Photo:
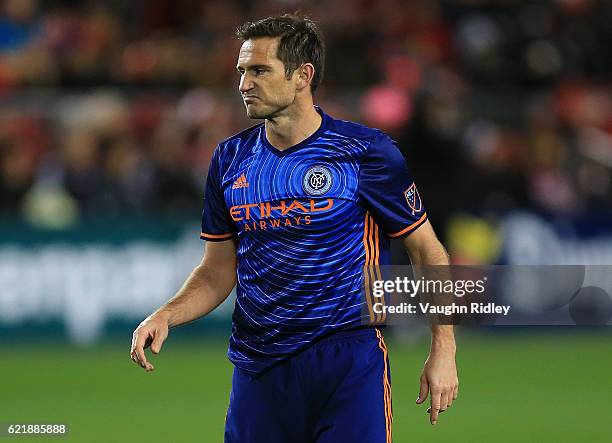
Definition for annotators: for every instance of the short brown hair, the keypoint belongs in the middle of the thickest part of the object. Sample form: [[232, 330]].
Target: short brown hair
[[300, 42]]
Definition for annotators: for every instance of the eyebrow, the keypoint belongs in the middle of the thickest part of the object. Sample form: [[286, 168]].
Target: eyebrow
[[253, 67]]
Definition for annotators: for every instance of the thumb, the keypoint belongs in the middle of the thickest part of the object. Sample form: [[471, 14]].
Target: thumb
[[158, 341], [423, 391]]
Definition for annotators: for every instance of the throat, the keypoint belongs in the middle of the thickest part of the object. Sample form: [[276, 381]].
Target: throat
[[285, 133]]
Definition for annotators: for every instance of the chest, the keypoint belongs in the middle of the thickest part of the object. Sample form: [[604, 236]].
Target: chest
[[305, 190]]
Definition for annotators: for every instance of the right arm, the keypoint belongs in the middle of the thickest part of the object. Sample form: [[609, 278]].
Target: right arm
[[208, 285]]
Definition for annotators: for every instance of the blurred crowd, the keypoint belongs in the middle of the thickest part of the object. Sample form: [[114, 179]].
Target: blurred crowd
[[114, 108]]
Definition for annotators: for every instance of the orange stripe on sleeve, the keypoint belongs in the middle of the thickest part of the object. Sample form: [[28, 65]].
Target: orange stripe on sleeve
[[412, 226], [216, 236]]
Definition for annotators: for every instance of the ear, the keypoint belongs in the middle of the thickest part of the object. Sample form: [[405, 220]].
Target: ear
[[305, 73]]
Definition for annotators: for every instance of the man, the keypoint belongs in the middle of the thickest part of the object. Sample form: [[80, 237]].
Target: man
[[296, 209]]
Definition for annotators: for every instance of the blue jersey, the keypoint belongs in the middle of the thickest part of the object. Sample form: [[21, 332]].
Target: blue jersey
[[308, 220]]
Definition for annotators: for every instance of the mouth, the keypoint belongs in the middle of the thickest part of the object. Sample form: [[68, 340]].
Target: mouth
[[249, 99]]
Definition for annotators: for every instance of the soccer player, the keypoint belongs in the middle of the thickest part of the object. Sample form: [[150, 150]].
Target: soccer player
[[295, 210]]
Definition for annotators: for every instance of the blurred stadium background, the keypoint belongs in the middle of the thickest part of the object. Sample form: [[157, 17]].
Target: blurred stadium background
[[110, 111]]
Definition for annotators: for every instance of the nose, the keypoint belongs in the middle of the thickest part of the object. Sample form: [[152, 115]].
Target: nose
[[245, 83]]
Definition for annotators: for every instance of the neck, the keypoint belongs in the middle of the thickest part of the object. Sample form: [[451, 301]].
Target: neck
[[293, 127]]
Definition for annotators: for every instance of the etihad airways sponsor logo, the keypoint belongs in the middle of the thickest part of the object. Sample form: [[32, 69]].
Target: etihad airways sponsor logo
[[274, 223], [280, 208], [283, 213]]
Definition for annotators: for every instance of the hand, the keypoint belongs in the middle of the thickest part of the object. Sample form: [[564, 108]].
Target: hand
[[439, 378], [151, 332]]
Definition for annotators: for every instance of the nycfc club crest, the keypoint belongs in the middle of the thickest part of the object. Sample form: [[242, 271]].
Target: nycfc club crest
[[413, 198], [317, 180]]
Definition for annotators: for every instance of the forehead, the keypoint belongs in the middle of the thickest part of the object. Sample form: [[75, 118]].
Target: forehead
[[258, 51]]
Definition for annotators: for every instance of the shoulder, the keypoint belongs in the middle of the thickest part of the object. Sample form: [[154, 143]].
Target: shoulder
[[355, 130], [374, 141], [377, 147], [238, 140], [233, 147]]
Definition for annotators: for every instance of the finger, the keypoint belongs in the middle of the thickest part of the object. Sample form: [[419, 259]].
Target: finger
[[444, 401], [456, 392], [137, 361], [133, 345], [158, 340], [435, 406], [139, 351], [133, 350], [449, 399], [423, 391]]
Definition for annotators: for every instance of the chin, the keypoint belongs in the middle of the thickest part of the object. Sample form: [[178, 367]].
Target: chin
[[256, 114], [253, 114], [261, 110]]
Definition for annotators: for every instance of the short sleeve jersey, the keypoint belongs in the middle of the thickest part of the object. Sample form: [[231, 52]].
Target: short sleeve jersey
[[307, 220]]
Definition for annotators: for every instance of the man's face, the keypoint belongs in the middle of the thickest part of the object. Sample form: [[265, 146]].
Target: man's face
[[264, 87]]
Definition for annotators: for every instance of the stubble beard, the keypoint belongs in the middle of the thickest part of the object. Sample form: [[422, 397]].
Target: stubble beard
[[269, 113]]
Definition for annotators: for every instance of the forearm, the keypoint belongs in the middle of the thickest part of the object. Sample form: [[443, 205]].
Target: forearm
[[202, 292], [432, 253], [443, 339], [442, 336]]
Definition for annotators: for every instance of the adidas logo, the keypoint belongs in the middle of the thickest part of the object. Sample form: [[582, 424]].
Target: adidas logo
[[241, 182]]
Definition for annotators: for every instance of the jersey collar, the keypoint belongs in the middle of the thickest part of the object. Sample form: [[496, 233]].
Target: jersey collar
[[324, 123]]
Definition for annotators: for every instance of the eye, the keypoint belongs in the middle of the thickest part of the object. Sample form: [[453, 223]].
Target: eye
[[259, 71]]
